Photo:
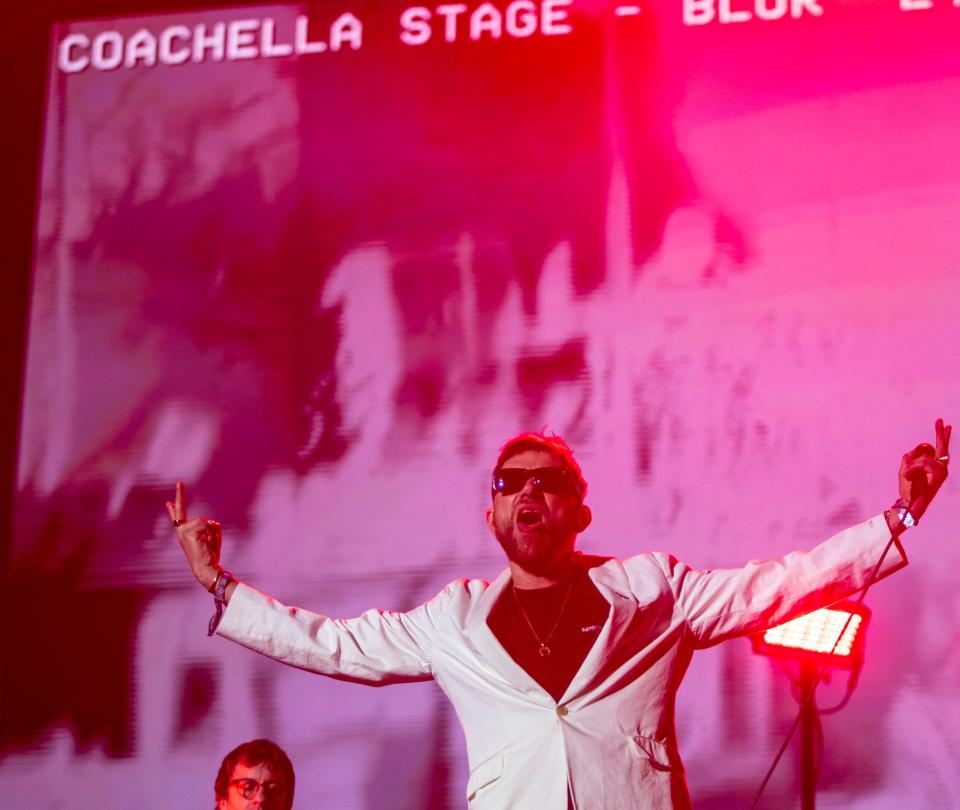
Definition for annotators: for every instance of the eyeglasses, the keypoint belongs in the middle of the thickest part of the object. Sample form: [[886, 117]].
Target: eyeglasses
[[554, 480], [248, 788]]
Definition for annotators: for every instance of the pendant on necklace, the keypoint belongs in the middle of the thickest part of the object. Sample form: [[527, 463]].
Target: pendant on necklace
[[544, 651]]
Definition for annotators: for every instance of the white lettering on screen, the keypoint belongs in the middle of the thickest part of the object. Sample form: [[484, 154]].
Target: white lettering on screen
[[253, 38], [67, 60], [242, 39], [455, 21], [236, 40], [107, 50], [168, 53], [704, 12]]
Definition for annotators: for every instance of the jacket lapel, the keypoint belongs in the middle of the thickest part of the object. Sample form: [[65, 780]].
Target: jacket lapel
[[611, 581], [486, 645]]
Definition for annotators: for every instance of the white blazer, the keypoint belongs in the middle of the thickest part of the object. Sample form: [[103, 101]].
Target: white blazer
[[610, 741]]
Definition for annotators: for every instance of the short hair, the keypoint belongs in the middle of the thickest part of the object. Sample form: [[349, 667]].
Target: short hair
[[550, 442], [255, 752]]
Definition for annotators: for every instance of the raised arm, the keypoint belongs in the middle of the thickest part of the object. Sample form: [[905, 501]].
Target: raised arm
[[723, 603], [200, 540], [923, 471], [377, 647]]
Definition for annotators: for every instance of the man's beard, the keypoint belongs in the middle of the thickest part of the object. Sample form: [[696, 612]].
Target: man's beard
[[540, 553]]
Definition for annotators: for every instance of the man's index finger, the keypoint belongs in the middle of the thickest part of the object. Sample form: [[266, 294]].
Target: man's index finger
[[180, 506], [943, 438]]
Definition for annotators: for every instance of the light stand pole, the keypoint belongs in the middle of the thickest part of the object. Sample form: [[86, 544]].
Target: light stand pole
[[808, 730], [829, 637]]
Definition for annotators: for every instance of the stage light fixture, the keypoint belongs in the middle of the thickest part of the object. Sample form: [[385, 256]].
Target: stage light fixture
[[826, 638], [815, 635]]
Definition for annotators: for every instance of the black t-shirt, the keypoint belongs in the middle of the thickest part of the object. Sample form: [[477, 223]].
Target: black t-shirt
[[577, 627]]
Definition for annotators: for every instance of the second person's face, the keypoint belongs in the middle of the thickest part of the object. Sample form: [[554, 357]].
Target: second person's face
[[270, 792]]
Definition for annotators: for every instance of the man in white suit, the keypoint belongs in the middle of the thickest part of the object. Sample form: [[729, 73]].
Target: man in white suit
[[564, 670]]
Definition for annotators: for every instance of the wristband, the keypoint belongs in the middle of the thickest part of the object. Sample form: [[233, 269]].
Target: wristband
[[223, 579]]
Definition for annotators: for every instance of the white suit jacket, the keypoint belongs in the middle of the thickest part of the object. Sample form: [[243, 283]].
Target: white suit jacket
[[610, 740]]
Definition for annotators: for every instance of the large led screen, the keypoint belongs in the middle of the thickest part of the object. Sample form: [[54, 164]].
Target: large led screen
[[319, 261]]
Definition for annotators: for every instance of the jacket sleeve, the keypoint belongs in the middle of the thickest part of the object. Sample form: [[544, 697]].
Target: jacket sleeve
[[376, 648], [724, 603]]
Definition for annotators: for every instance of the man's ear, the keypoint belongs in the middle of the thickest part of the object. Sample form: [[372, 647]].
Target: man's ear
[[490, 523], [584, 518]]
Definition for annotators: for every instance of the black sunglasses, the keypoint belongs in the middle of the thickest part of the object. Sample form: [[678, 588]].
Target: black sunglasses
[[555, 480]]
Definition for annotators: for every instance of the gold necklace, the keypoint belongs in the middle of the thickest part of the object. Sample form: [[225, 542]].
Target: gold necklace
[[543, 650]]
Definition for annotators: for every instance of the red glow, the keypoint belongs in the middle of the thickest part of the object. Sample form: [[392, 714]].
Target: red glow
[[817, 633]]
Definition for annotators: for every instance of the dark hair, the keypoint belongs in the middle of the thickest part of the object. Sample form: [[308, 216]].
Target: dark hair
[[255, 752], [552, 443]]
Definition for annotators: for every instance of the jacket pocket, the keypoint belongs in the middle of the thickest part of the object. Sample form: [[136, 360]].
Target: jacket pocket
[[484, 775], [663, 757]]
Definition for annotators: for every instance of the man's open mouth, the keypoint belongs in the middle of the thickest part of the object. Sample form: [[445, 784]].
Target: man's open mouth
[[529, 518]]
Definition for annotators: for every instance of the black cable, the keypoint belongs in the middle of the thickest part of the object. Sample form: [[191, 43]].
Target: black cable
[[816, 681], [852, 681]]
